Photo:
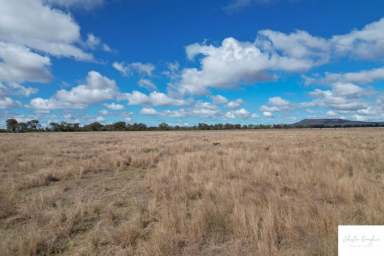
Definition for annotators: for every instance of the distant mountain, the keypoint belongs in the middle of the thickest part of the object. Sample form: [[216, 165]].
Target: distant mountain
[[334, 123]]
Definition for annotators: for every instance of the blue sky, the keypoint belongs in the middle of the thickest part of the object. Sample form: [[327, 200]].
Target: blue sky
[[185, 62]]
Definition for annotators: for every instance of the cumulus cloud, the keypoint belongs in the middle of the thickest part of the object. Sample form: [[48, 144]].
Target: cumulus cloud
[[341, 97], [32, 24], [219, 99], [96, 88], [275, 104], [148, 111], [299, 45], [205, 109], [41, 104], [114, 106], [239, 113], [366, 43], [19, 64], [267, 114], [235, 103], [200, 109], [176, 113], [13, 88], [356, 108], [7, 102], [154, 98], [234, 63], [226, 66], [359, 77], [173, 70], [347, 90], [144, 69]]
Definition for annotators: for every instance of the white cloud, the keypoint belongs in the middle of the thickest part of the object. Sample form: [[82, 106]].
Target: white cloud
[[239, 113], [144, 69], [278, 101], [234, 63], [68, 117], [97, 88], [199, 109], [147, 84], [148, 111], [119, 66], [226, 66], [31, 24], [275, 104], [43, 104], [341, 97], [93, 42], [359, 77], [173, 70], [154, 98], [235, 103], [347, 90], [267, 114], [84, 4], [205, 109], [366, 43], [219, 99], [331, 113], [299, 45], [19, 64], [176, 113], [13, 88], [137, 98], [114, 106], [6, 102]]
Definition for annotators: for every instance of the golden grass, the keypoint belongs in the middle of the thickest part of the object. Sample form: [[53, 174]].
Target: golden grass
[[273, 192]]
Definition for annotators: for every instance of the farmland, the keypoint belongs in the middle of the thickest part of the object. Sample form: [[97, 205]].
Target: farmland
[[263, 192]]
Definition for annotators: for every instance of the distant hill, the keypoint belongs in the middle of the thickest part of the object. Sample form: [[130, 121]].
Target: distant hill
[[334, 123]]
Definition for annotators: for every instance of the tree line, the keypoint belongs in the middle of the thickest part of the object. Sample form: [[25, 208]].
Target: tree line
[[12, 125]]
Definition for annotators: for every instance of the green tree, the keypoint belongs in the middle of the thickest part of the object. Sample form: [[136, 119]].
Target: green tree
[[96, 126], [119, 126], [164, 126], [12, 125], [22, 127], [33, 124]]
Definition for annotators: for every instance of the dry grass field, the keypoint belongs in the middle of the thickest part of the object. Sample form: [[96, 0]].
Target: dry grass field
[[271, 192]]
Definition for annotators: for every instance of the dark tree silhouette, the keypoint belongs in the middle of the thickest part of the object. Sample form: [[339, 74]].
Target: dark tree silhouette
[[12, 125]]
